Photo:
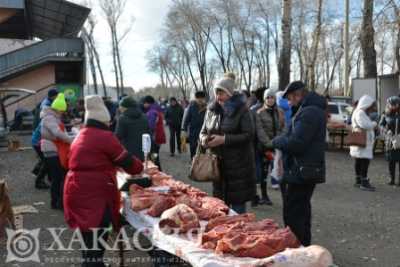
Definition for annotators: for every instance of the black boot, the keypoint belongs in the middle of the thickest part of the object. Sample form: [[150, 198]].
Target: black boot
[[358, 182], [40, 184], [255, 201], [391, 181], [366, 186], [265, 199]]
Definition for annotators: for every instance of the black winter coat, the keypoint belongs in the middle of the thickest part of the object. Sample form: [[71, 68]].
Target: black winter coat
[[194, 121], [131, 125], [305, 138], [174, 116], [237, 154]]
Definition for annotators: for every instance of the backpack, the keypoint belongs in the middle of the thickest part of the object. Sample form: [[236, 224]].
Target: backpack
[[159, 136]]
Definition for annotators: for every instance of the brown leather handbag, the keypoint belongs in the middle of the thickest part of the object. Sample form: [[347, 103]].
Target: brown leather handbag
[[357, 137], [205, 165]]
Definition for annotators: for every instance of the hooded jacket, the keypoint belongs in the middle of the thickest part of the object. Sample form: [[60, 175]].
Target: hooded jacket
[[304, 140], [131, 125], [361, 120], [51, 131]]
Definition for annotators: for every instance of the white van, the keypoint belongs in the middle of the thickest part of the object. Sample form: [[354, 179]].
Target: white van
[[339, 112]]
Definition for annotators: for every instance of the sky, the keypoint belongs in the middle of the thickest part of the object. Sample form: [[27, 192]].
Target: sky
[[149, 17]]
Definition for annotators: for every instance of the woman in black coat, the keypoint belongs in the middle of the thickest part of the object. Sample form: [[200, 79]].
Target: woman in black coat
[[131, 125], [228, 131]]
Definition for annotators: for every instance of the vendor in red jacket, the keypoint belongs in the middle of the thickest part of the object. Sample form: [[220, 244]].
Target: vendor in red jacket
[[91, 196]]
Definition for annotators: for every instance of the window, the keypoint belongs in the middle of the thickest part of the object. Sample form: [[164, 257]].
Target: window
[[344, 109], [333, 109]]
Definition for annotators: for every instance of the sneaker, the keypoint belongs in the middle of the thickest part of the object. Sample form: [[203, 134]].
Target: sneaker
[[265, 201], [275, 186], [366, 186]]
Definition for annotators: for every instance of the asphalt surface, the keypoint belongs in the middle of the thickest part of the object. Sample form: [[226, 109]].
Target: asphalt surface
[[359, 228]]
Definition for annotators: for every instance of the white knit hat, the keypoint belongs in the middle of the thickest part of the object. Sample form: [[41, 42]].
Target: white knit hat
[[226, 83], [269, 92], [95, 109]]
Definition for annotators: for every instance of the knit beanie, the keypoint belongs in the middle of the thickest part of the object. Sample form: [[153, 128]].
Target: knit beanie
[[59, 103], [95, 109], [269, 92], [128, 102], [226, 83]]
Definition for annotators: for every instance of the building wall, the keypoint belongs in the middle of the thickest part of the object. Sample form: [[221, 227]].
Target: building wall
[[39, 80]]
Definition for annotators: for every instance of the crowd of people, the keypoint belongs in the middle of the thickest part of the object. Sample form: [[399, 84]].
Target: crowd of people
[[256, 136]]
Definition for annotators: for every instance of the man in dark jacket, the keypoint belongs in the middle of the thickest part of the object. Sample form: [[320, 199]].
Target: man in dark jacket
[[303, 147], [131, 125], [194, 120], [173, 117]]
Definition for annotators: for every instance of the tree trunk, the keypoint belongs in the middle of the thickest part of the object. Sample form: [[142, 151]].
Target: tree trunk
[[314, 53], [285, 55], [367, 40], [114, 56]]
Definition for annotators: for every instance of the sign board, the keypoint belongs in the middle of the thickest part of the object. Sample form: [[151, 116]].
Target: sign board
[[72, 92]]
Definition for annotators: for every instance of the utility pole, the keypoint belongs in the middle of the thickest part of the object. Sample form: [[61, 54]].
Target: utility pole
[[346, 49]]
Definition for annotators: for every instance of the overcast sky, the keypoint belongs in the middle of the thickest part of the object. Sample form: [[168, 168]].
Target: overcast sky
[[149, 16]]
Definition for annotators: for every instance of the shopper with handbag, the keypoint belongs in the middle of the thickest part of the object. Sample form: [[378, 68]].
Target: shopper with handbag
[[390, 125], [363, 154], [229, 132], [303, 155]]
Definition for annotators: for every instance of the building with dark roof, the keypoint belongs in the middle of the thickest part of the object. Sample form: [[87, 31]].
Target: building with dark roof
[[40, 49]]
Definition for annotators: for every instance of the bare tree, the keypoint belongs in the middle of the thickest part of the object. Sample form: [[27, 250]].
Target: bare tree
[[113, 11], [285, 54], [367, 40]]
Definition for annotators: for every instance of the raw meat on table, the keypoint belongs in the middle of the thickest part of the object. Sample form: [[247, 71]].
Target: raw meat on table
[[161, 204], [181, 217], [246, 217]]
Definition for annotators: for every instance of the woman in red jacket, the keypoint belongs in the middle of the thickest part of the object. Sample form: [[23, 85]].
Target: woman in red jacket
[[91, 196]]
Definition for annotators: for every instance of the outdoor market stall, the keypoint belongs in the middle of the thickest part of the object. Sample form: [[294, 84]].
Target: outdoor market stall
[[192, 247]]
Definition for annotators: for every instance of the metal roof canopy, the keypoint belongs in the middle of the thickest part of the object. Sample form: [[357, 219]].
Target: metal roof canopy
[[55, 18]]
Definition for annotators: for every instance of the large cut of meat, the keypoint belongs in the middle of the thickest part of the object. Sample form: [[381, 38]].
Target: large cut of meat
[[142, 198], [180, 218], [211, 208], [246, 217], [161, 204], [256, 244], [210, 239]]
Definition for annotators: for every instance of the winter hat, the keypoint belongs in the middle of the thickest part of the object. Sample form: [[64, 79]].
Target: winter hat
[[292, 87], [365, 102], [59, 103], [149, 99], [269, 92], [128, 102], [226, 83], [96, 109], [52, 93]]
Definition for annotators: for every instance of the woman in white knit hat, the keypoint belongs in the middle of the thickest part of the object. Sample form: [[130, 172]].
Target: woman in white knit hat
[[91, 196], [228, 131], [269, 124]]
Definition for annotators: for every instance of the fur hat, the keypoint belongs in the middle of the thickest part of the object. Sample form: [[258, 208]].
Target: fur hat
[[95, 109], [227, 83]]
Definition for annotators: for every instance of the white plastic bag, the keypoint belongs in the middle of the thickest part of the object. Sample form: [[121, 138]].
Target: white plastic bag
[[277, 170]]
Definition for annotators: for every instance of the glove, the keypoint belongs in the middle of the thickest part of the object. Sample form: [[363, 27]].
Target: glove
[[269, 156]]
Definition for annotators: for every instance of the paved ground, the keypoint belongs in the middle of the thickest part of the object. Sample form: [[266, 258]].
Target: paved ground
[[359, 228]]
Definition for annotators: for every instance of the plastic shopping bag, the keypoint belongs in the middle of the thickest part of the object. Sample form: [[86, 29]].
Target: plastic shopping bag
[[277, 170]]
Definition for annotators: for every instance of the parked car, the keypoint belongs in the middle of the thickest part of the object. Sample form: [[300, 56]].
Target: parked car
[[339, 112]]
